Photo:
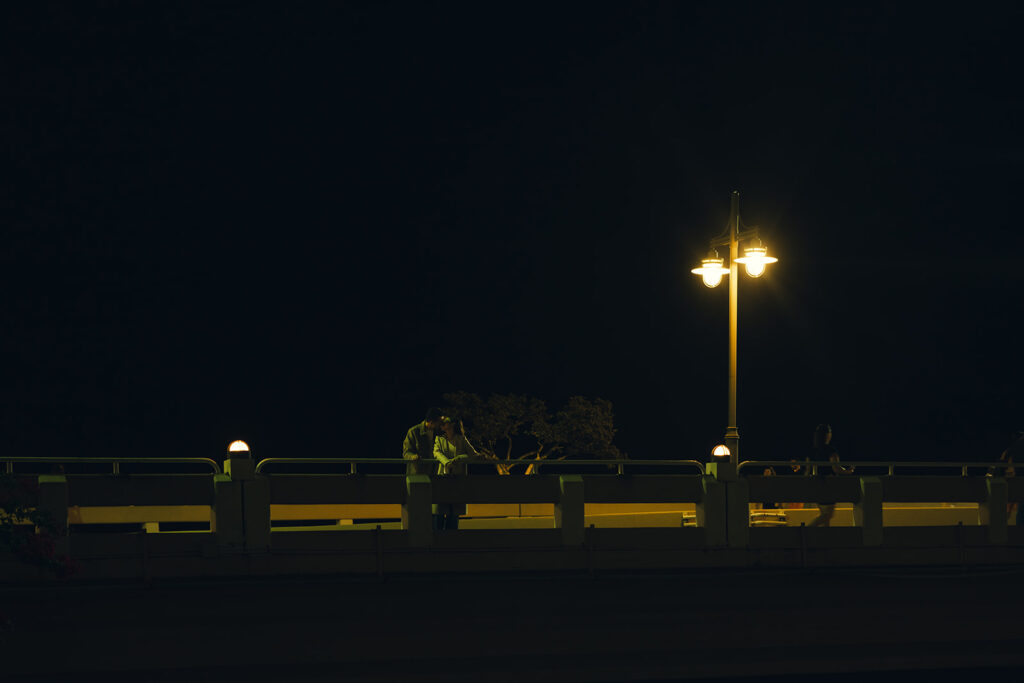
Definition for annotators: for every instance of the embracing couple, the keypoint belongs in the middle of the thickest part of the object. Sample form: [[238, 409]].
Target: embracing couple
[[442, 438]]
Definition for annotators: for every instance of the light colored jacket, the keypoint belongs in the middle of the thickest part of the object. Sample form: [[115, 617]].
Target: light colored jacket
[[417, 447], [446, 451]]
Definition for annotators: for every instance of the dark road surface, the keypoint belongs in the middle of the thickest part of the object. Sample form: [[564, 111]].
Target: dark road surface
[[923, 624]]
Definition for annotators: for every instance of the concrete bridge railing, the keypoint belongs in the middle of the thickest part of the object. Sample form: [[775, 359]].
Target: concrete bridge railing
[[240, 496]]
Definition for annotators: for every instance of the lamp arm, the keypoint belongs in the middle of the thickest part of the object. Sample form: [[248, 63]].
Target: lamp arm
[[748, 234]]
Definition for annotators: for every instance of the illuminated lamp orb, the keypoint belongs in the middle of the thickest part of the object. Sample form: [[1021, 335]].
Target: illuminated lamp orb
[[711, 270], [720, 452], [238, 446], [755, 259]]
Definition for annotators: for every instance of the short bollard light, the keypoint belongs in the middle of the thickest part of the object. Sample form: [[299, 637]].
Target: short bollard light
[[239, 463], [721, 467], [240, 447]]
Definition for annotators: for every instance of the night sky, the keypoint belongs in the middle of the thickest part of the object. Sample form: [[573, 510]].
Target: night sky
[[300, 225]]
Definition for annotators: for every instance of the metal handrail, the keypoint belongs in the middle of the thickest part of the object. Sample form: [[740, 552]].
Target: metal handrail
[[891, 465], [116, 462], [354, 462]]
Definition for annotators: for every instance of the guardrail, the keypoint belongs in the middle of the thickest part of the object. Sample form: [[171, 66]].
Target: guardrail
[[620, 465], [888, 464], [240, 497], [114, 462]]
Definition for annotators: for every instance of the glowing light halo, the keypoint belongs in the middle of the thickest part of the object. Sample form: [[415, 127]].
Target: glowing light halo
[[238, 446], [721, 451], [755, 259], [711, 270]]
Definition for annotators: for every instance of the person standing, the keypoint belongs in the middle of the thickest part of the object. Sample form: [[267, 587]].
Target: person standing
[[1013, 453], [418, 447], [827, 458], [452, 449]]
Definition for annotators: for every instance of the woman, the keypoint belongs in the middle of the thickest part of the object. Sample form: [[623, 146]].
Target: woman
[[452, 449], [823, 453]]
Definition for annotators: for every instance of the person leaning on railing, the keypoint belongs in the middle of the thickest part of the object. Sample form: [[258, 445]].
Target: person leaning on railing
[[452, 449], [825, 452], [418, 446]]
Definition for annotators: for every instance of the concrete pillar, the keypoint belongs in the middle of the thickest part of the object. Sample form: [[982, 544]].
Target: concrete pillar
[[569, 510], [256, 513], [416, 518], [53, 499], [867, 512], [992, 512], [226, 514], [711, 511], [737, 513], [254, 500]]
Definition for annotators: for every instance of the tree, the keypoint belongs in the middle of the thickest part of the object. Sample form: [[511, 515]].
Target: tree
[[518, 427]]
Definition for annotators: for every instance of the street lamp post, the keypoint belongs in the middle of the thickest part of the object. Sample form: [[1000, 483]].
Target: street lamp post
[[712, 270]]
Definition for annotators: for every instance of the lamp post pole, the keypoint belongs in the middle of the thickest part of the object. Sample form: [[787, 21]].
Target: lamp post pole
[[755, 259], [732, 434]]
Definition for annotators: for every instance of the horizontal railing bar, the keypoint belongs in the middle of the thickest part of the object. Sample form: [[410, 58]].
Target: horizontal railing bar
[[891, 464], [483, 461], [110, 460]]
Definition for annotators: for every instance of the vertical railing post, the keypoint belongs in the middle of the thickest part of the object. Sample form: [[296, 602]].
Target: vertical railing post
[[416, 510], [867, 512], [570, 509], [254, 500], [712, 512], [53, 499], [226, 513], [737, 512], [992, 512]]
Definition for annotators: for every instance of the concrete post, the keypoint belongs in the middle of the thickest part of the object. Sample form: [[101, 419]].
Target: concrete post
[[416, 519], [992, 512], [254, 500], [711, 511], [737, 514], [53, 499], [256, 513], [226, 514], [569, 510], [867, 512]]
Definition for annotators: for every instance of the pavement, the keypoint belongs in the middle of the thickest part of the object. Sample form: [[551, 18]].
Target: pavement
[[679, 625]]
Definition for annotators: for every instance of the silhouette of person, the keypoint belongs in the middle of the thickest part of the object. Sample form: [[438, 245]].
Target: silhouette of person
[[452, 449], [1013, 452], [418, 447], [824, 452]]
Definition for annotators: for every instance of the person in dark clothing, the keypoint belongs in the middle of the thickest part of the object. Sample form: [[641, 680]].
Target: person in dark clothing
[[418, 447], [825, 452], [1013, 453]]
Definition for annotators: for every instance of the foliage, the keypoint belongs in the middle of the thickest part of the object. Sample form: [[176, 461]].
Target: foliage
[[518, 427], [27, 532]]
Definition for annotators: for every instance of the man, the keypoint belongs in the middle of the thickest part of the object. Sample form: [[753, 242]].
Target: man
[[419, 443]]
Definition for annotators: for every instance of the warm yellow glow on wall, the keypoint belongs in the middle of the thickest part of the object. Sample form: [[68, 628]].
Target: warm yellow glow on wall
[[711, 270], [755, 259], [238, 447]]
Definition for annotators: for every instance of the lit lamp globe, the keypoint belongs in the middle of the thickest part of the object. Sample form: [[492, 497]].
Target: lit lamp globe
[[720, 452], [755, 259], [711, 271], [238, 449]]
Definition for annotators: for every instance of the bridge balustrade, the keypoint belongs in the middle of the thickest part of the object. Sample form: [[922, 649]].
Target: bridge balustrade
[[240, 497]]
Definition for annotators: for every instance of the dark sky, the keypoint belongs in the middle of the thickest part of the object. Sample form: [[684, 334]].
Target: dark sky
[[300, 225]]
